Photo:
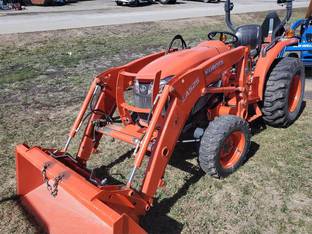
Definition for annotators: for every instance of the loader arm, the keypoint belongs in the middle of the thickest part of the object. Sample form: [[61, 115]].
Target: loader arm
[[183, 93]]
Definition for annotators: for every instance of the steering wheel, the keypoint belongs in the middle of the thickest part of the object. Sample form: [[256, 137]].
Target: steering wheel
[[223, 36]]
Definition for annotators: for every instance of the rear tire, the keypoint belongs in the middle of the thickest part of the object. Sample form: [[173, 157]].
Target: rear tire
[[224, 146], [284, 91]]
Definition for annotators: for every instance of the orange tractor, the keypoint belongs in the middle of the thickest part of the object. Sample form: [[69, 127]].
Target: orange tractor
[[210, 93]]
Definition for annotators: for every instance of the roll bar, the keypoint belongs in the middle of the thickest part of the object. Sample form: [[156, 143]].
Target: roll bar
[[286, 18], [229, 5]]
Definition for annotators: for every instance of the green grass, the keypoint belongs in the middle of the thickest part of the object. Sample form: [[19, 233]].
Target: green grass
[[44, 79], [19, 61]]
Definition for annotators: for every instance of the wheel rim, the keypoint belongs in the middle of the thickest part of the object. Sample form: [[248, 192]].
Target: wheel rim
[[294, 93], [232, 149]]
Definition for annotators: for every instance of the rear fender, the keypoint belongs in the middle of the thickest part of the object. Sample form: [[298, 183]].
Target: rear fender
[[264, 66]]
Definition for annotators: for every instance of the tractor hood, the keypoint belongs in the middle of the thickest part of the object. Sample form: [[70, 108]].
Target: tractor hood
[[176, 63]]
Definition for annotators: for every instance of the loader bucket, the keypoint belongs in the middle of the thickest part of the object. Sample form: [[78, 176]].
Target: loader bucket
[[76, 208]]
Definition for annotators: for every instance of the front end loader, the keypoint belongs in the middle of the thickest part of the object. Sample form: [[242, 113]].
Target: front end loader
[[208, 94]]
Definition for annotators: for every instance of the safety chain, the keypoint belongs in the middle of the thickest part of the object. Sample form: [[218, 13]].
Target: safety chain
[[57, 180], [53, 189], [45, 178]]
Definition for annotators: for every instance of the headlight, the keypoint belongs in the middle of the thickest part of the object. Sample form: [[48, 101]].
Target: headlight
[[147, 88], [162, 84], [143, 88], [164, 81]]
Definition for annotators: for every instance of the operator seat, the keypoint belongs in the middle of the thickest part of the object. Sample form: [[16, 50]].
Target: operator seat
[[250, 35], [270, 23]]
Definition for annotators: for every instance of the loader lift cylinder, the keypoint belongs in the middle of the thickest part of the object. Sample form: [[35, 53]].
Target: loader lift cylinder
[[77, 124]]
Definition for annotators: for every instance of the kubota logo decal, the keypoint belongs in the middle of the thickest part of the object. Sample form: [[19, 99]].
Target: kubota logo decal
[[190, 89], [213, 67]]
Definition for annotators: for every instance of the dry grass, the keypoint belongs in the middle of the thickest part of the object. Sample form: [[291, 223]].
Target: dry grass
[[44, 77]]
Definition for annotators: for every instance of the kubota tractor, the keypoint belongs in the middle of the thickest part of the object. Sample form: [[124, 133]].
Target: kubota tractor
[[210, 92]]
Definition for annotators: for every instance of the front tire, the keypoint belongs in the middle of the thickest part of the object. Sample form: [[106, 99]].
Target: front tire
[[284, 91], [224, 146]]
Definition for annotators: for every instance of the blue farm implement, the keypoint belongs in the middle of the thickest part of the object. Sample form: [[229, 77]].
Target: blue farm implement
[[302, 29]]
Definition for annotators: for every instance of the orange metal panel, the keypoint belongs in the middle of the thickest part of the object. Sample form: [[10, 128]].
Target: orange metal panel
[[264, 64], [63, 214], [77, 202]]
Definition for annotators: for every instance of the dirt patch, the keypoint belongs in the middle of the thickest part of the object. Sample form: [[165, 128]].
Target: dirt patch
[[308, 86], [45, 77], [308, 95]]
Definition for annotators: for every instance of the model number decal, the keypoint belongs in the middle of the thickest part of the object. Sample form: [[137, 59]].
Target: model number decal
[[190, 89], [213, 67]]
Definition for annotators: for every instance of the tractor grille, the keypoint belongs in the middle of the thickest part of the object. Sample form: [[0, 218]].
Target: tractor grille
[[142, 96], [142, 101]]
